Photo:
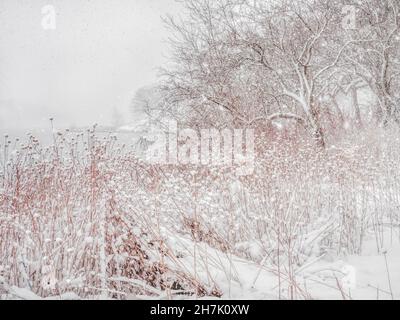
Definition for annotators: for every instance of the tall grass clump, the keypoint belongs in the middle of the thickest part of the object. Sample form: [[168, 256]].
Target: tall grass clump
[[87, 216]]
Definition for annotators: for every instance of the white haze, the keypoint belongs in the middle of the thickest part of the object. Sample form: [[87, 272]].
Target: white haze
[[100, 53]]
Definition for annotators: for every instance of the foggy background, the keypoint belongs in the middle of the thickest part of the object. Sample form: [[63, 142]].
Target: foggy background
[[87, 69]]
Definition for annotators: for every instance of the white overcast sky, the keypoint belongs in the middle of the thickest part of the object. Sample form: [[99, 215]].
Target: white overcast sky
[[99, 54]]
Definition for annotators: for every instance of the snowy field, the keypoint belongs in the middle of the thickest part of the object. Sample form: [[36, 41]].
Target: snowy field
[[85, 219], [200, 149]]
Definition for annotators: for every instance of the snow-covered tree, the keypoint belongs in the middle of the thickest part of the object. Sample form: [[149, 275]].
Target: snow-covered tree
[[376, 61], [244, 62]]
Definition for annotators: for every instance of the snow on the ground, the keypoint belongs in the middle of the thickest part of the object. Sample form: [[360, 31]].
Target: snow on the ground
[[366, 276], [359, 277]]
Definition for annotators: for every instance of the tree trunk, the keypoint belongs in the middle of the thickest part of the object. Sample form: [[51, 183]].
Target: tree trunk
[[338, 111], [320, 137], [318, 132], [356, 106]]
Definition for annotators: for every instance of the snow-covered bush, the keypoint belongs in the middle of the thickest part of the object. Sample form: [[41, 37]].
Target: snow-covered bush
[[85, 216]]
